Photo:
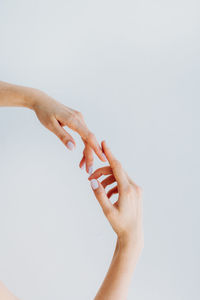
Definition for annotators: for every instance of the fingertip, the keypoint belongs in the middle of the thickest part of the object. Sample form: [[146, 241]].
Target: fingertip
[[82, 163], [105, 158], [90, 170], [94, 184], [107, 152], [103, 144], [70, 145], [104, 147]]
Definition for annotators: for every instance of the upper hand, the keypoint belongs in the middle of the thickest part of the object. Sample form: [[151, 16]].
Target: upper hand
[[54, 116]]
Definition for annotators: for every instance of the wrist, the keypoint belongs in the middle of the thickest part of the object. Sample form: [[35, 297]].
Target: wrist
[[20, 96], [128, 242], [35, 98], [128, 250], [31, 97]]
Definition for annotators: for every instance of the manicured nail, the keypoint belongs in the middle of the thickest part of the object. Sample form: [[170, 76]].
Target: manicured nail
[[70, 145], [90, 170], [94, 184], [82, 167], [104, 156]]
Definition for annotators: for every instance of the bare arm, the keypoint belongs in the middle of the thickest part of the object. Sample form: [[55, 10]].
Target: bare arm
[[13, 95], [117, 281], [5, 294], [54, 116], [125, 216]]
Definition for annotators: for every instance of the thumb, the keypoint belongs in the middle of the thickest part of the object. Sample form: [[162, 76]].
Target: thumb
[[101, 196], [63, 135]]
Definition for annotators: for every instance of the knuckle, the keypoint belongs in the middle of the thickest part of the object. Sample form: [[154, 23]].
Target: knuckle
[[128, 189], [90, 160], [49, 124], [71, 117], [74, 119], [60, 136], [89, 156], [116, 163], [64, 139], [78, 114], [108, 211]]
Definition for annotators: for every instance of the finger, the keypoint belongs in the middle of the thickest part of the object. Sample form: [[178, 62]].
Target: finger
[[101, 196], [88, 153], [101, 171], [136, 187], [118, 171], [107, 181], [91, 141], [112, 192], [63, 135], [78, 124], [82, 162]]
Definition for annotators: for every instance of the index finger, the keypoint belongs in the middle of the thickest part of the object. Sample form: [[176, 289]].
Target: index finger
[[78, 125], [118, 171]]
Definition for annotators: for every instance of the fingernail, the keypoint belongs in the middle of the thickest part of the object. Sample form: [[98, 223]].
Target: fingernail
[[90, 170], [94, 184], [82, 167], [70, 145], [104, 156]]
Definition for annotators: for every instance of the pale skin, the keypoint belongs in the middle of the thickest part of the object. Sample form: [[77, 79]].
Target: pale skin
[[54, 116], [5, 294], [125, 215]]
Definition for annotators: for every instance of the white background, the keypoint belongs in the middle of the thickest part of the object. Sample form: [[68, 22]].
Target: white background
[[132, 69]]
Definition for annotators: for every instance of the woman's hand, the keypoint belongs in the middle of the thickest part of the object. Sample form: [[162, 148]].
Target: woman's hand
[[125, 215], [54, 116]]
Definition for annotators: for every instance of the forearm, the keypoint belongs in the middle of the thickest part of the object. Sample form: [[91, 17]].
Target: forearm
[[5, 294], [117, 280], [14, 95]]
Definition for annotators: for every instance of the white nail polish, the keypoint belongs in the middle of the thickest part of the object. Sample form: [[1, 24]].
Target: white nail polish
[[94, 184], [104, 156], [70, 145], [90, 170], [82, 167]]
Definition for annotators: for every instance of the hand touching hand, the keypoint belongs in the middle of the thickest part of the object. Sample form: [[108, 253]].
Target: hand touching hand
[[125, 215], [54, 116]]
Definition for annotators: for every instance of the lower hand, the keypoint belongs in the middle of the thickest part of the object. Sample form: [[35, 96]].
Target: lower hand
[[125, 215]]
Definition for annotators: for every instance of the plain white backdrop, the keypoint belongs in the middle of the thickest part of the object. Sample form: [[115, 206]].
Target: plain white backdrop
[[132, 68]]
